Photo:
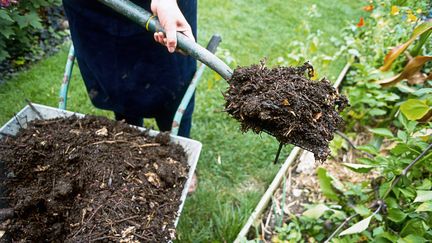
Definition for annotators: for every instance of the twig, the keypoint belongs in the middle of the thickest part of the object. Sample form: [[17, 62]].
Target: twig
[[34, 109], [109, 142], [405, 171], [351, 144], [346, 138], [128, 218], [340, 227], [147, 145], [88, 220], [380, 205], [268, 219], [283, 201]]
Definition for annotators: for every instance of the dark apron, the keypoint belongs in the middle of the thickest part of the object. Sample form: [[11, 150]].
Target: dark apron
[[124, 69]]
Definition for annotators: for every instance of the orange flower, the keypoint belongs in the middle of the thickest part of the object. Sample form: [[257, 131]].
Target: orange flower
[[361, 22], [368, 8]]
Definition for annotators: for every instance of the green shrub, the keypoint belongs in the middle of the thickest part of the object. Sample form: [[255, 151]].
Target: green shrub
[[22, 23]]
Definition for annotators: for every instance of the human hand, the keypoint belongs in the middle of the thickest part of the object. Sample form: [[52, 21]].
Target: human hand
[[172, 20]]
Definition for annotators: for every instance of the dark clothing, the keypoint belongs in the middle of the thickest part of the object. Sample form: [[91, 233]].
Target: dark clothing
[[124, 69]]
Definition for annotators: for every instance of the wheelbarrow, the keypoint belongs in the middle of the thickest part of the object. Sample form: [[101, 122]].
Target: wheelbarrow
[[151, 23]]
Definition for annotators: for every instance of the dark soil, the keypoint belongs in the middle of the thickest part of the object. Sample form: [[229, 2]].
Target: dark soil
[[285, 103], [91, 179]]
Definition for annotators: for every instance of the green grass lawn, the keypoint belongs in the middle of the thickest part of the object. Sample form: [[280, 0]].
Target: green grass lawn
[[234, 168]]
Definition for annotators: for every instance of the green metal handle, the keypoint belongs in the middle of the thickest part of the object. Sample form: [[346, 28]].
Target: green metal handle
[[151, 23]]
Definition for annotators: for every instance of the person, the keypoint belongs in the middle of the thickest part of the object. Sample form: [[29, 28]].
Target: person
[[130, 71]]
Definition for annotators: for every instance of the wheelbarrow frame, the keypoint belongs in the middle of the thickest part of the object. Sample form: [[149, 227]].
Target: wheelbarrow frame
[[211, 46]]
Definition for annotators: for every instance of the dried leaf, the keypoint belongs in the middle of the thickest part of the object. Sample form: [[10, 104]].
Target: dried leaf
[[396, 51], [411, 69], [102, 132], [427, 117], [41, 168], [417, 78], [153, 179]]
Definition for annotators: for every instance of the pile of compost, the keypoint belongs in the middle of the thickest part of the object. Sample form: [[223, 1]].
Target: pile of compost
[[90, 179], [285, 103]]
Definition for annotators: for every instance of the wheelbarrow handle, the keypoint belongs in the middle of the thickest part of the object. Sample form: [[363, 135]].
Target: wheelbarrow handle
[[214, 43], [151, 23]]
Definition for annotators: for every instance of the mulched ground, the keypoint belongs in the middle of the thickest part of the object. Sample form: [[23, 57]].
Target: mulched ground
[[91, 179], [285, 103]]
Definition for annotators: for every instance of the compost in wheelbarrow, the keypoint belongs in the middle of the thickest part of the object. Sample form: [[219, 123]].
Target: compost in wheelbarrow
[[83, 179]]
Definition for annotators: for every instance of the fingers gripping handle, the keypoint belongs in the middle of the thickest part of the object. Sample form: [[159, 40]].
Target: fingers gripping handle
[[151, 23]]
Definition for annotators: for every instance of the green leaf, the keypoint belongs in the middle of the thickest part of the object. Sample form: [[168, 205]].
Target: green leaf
[[362, 210], [358, 227], [7, 31], [407, 192], [5, 16], [384, 132], [391, 202], [403, 120], [400, 149], [402, 135], [359, 168], [423, 38], [423, 196], [316, 211], [425, 207], [377, 112], [30, 19], [414, 109], [413, 226], [396, 215], [368, 148], [383, 188], [426, 185], [388, 236], [326, 186], [423, 91], [412, 239]]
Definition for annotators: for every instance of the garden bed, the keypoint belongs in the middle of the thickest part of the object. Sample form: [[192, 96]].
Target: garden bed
[[89, 179], [300, 195]]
